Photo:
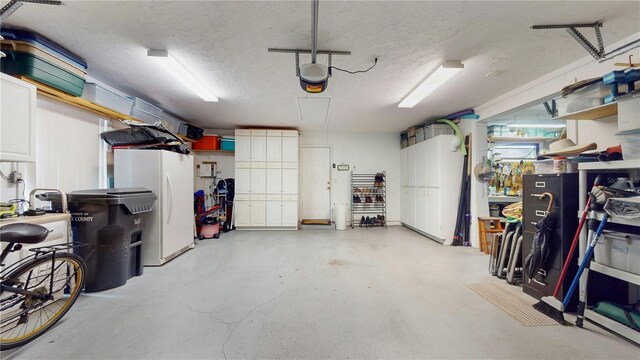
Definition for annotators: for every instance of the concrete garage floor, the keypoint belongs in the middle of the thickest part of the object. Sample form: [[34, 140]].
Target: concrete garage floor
[[364, 293]]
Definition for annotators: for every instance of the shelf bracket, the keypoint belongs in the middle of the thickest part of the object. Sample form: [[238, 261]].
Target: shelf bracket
[[572, 29], [14, 5], [552, 110]]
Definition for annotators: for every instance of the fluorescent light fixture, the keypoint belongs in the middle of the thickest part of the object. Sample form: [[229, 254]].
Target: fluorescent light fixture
[[443, 73], [181, 74], [537, 126]]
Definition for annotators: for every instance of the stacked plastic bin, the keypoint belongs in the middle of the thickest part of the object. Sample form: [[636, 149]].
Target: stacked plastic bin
[[38, 58]]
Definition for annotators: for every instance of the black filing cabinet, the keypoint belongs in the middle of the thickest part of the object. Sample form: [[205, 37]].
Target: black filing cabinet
[[564, 212]]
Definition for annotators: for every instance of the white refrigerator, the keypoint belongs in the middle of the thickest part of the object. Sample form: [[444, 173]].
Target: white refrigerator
[[169, 227]]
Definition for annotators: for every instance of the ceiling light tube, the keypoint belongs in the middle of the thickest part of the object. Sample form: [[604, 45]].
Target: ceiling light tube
[[443, 73], [181, 74], [537, 126]]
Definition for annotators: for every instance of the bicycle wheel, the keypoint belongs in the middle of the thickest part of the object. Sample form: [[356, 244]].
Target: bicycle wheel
[[24, 317]]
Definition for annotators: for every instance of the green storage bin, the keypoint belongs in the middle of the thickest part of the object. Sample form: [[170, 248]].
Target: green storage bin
[[19, 63]]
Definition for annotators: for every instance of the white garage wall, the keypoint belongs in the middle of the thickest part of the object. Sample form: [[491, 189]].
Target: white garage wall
[[364, 153], [68, 150]]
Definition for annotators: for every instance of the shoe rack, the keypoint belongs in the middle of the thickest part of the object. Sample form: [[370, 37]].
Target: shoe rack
[[369, 200]]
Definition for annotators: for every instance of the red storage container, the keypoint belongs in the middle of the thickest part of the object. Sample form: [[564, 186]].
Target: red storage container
[[207, 142]]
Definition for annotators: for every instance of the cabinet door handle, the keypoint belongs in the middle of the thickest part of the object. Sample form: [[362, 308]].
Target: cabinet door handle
[[541, 184]]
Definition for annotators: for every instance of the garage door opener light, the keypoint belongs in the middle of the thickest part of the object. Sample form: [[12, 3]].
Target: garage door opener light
[[181, 74], [436, 79]]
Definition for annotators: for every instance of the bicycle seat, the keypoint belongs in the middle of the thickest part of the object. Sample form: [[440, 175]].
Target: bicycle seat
[[23, 233]]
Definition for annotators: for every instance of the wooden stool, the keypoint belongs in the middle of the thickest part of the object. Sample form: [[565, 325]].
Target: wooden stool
[[494, 227]]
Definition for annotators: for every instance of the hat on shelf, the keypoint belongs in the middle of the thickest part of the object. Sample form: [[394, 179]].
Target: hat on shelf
[[566, 147]]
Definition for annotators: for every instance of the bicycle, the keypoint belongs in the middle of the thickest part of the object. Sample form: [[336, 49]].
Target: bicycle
[[37, 291]]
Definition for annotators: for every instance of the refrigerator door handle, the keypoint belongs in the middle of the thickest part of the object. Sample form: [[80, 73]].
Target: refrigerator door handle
[[170, 194]]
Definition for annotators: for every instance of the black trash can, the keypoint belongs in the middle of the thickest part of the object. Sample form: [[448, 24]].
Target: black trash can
[[110, 220]]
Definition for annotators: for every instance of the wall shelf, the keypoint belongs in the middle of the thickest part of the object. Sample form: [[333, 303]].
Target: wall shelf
[[499, 139], [594, 113], [77, 102], [221, 152]]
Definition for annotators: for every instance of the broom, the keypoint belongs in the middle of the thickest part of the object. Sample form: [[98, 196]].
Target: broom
[[550, 305]]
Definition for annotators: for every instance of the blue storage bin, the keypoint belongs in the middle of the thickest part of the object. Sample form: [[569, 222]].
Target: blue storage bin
[[613, 77], [228, 144], [44, 44]]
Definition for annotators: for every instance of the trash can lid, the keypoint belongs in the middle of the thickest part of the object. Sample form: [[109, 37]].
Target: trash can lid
[[135, 199], [110, 193]]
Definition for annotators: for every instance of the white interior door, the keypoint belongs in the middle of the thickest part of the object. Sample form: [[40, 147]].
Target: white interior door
[[316, 183], [243, 148], [274, 148]]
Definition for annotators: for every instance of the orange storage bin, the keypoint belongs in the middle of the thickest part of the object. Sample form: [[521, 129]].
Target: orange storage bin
[[207, 142]]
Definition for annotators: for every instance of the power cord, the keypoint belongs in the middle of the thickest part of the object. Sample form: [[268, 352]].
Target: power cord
[[375, 61]]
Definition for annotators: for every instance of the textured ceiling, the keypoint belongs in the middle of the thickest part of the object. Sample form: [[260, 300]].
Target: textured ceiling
[[226, 43]]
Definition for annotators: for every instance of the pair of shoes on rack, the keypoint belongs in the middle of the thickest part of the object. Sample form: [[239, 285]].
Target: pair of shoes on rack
[[380, 219], [368, 199], [379, 198], [356, 199], [379, 178], [362, 221]]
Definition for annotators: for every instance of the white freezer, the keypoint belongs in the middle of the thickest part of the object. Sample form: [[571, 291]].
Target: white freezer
[[169, 227]]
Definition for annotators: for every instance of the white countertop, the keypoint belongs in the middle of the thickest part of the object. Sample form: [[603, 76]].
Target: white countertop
[[41, 219]]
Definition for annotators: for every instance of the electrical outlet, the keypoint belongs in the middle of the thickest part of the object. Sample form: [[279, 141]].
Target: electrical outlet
[[15, 177]]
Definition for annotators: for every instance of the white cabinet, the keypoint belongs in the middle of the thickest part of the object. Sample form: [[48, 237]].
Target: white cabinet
[[289, 213], [242, 213], [243, 148], [266, 179], [404, 167], [243, 181], [290, 148], [258, 213], [434, 220], [258, 148], [258, 181], [17, 120], [431, 187], [435, 165], [422, 209], [411, 166], [290, 181], [274, 148], [421, 163], [274, 213], [274, 181]]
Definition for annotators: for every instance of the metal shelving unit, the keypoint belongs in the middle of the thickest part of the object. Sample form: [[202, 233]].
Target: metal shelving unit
[[612, 325], [369, 199]]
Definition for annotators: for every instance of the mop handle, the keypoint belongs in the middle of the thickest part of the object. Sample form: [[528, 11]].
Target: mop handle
[[574, 243], [585, 260]]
